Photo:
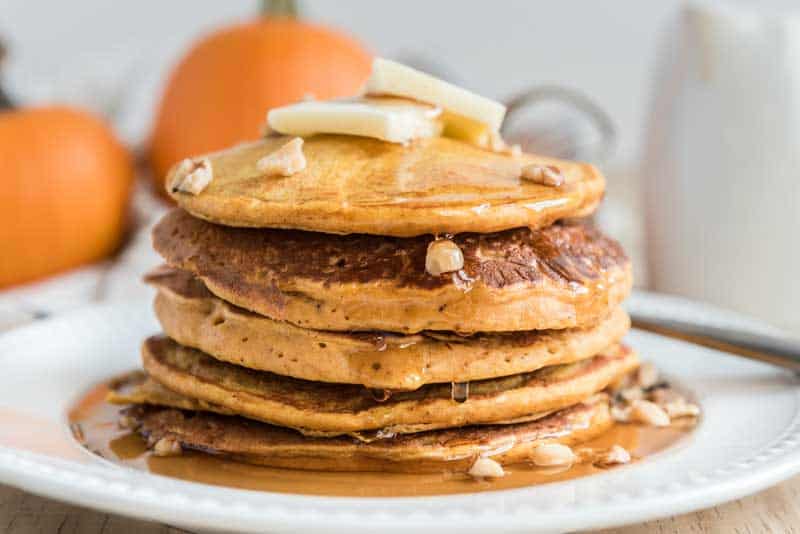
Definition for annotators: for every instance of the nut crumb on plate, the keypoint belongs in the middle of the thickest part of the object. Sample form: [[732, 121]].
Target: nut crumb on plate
[[680, 407], [486, 468], [614, 456], [552, 454], [649, 413]]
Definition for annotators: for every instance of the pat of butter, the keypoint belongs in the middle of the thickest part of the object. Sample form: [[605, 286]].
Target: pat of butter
[[388, 119], [392, 78], [467, 130]]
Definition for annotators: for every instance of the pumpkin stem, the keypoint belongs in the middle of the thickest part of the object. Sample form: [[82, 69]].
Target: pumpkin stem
[[279, 8], [5, 100]]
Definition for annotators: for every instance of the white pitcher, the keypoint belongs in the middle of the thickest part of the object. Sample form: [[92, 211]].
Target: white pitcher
[[722, 161]]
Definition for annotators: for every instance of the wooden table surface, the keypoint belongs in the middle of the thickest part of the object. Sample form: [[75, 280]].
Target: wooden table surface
[[776, 510]]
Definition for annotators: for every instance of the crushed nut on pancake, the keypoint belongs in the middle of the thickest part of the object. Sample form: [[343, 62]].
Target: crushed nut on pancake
[[192, 176], [649, 413], [443, 256], [486, 468], [286, 161], [167, 446], [552, 455], [543, 174]]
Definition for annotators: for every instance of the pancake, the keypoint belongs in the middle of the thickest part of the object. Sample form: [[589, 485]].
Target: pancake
[[193, 316], [138, 388], [563, 276], [452, 450], [341, 408], [361, 185]]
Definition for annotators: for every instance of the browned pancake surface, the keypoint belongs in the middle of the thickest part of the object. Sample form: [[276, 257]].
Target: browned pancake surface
[[360, 185], [562, 276]]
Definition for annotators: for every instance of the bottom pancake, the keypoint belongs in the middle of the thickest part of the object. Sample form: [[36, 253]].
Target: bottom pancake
[[455, 449]]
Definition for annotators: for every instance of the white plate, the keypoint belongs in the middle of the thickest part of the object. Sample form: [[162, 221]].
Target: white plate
[[747, 440]]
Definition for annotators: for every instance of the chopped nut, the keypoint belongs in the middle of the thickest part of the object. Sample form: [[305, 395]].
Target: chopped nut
[[552, 454], [543, 174], [649, 413], [681, 408], [647, 375], [128, 422], [486, 468], [443, 256], [167, 446], [285, 161], [613, 456], [192, 176], [620, 413], [631, 394]]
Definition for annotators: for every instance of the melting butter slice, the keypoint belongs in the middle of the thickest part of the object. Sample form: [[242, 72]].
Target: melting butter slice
[[463, 107], [390, 119]]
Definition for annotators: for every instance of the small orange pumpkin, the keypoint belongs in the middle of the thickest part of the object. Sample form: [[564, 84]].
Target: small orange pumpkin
[[221, 90], [65, 181]]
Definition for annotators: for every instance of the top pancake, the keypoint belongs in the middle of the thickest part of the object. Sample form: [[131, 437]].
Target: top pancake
[[361, 185]]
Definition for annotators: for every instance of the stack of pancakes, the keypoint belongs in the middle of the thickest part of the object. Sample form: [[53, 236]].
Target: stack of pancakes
[[303, 330]]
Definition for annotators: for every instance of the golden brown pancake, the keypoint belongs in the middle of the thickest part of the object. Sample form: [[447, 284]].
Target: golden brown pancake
[[341, 408], [563, 276], [138, 388], [435, 451], [361, 185], [193, 316]]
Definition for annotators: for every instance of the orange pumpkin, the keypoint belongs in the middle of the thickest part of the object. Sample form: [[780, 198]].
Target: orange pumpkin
[[64, 187], [220, 92]]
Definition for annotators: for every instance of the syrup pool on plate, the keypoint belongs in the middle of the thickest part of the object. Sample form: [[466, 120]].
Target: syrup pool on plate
[[94, 424]]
